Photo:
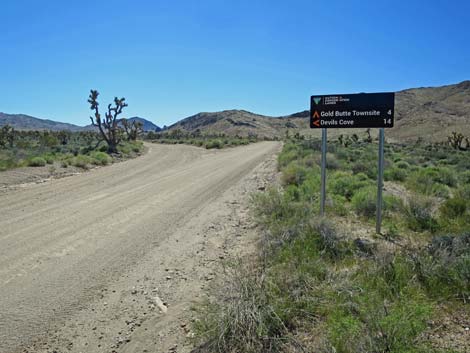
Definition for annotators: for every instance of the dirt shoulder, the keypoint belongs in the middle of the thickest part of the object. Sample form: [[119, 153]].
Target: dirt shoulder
[[24, 176]]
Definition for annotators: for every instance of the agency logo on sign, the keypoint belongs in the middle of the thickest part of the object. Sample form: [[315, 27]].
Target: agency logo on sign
[[317, 100]]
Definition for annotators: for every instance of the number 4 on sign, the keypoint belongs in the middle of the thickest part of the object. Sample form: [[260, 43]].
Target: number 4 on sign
[[389, 112]]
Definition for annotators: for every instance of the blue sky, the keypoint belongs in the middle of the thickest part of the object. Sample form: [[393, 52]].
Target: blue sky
[[172, 59]]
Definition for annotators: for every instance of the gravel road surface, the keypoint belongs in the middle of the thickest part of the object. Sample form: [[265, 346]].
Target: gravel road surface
[[86, 260]]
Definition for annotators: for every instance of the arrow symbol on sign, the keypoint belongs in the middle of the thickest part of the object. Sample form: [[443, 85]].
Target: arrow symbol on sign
[[316, 115], [316, 123]]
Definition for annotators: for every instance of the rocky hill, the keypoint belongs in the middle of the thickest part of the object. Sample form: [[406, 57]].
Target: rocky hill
[[430, 113], [241, 122]]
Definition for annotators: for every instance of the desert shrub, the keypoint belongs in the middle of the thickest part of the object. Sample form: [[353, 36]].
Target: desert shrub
[[386, 315], [446, 176], [463, 192], [245, 321], [444, 266], [100, 158], [454, 207], [440, 190], [364, 202], [419, 214], [422, 181], [395, 174], [337, 204], [332, 162], [345, 184], [329, 242], [293, 174], [392, 203], [402, 165], [8, 163], [81, 161], [48, 158], [365, 166], [37, 162], [310, 188], [214, 144], [465, 177], [288, 154]]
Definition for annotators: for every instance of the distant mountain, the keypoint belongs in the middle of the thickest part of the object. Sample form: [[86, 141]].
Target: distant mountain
[[431, 113], [26, 122], [147, 125]]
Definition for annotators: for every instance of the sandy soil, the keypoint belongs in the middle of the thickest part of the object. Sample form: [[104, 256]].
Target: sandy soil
[[112, 260]]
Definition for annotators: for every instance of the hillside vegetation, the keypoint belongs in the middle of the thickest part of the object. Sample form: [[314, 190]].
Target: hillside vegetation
[[58, 149], [209, 141], [331, 284]]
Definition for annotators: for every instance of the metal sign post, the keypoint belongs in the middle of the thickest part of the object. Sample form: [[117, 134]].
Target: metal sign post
[[323, 172], [363, 110], [380, 180]]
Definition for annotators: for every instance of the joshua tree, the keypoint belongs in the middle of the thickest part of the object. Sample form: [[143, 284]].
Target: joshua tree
[[109, 128], [64, 137], [133, 129], [340, 139], [7, 136], [456, 140]]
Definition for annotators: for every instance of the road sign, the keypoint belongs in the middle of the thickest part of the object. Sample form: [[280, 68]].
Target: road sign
[[362, 110]]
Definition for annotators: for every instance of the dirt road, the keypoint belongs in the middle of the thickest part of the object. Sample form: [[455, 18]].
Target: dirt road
[[110, 260]]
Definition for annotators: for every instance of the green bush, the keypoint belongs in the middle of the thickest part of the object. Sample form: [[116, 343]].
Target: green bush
[[293, 174], [345, 184], [425, 180], [49, 159], [332, 162], [402, 165], [214, 144], [395, 174], [440, 190], [444, 266], [465, 177], [464, 192], [100, 158], [454, 207], [81, 161], [245, 321], [419, 214], [37, 162], [329, 242], [372, 319], [364, 202], [392, 203], [446, 176], [368, 168]]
